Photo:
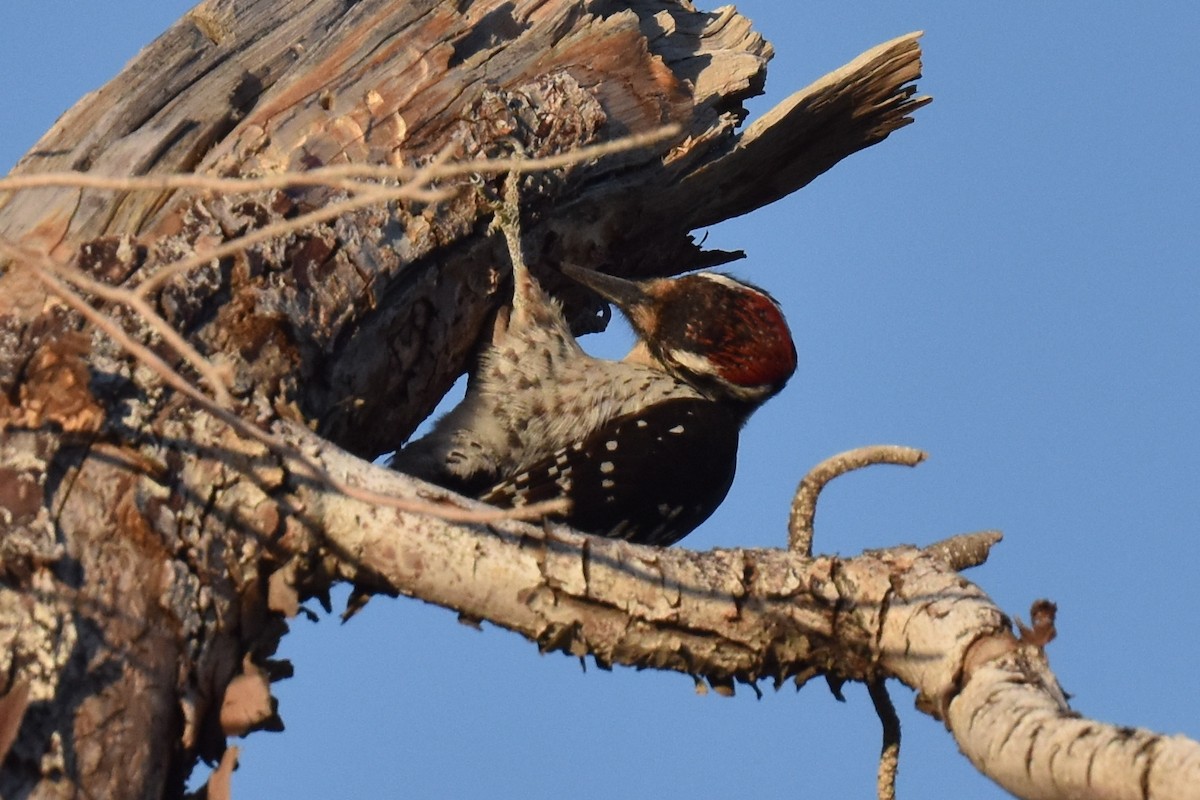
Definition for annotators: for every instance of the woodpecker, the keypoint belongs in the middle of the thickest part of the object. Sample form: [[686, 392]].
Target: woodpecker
[[644, 448]]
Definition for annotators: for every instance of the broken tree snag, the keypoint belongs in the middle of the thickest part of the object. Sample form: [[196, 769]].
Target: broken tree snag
[[364, 321], [143, 532], [802, 137]]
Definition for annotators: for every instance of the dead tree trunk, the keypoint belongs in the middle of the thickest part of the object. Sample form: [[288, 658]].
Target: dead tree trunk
[[154, 543]]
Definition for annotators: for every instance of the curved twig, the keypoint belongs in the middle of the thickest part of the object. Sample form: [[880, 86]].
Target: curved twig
[[804, 505]]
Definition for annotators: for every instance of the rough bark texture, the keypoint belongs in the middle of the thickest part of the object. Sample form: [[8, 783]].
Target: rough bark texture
[[151, 554], [147, 552], [407, 291], [740, 616]]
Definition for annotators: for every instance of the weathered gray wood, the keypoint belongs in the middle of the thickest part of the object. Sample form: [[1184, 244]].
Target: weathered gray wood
[[811, 131], [148, 544]]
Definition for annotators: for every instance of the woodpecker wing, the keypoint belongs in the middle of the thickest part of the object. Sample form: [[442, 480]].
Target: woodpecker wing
[[648, 477]]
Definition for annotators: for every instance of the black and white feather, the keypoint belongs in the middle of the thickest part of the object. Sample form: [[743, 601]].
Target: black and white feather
[[649, 477], [644, 448]]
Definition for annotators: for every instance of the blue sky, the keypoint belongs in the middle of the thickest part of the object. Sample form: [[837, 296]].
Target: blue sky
[[1010, 283]]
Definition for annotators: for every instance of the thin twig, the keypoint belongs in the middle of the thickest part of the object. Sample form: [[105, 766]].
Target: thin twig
[[342, 176], [440, 167], [59, 280], [353, 177], [362, 180], [593, 152], [300, 463], [804, 505], [216, 377], [889, 752], [367, 197]]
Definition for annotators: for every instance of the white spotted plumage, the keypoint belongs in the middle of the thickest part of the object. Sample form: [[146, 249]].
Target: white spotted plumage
[[534, 390], [645, 448]]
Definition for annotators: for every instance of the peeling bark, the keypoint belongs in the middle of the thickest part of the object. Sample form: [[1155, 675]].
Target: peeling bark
[[151, 553]]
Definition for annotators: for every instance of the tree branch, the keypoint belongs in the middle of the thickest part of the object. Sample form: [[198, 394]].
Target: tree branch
[[889, 752], [746, 615], [804, 505]]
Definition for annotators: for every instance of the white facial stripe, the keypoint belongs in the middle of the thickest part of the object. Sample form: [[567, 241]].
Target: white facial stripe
[[724, 280], [699, 365], [735, 284], [691, 362]]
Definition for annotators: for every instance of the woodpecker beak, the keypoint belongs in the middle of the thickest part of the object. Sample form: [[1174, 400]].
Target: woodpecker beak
[[629, 296]]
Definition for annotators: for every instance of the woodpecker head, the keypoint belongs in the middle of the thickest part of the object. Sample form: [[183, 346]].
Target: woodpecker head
[[725, 337]]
